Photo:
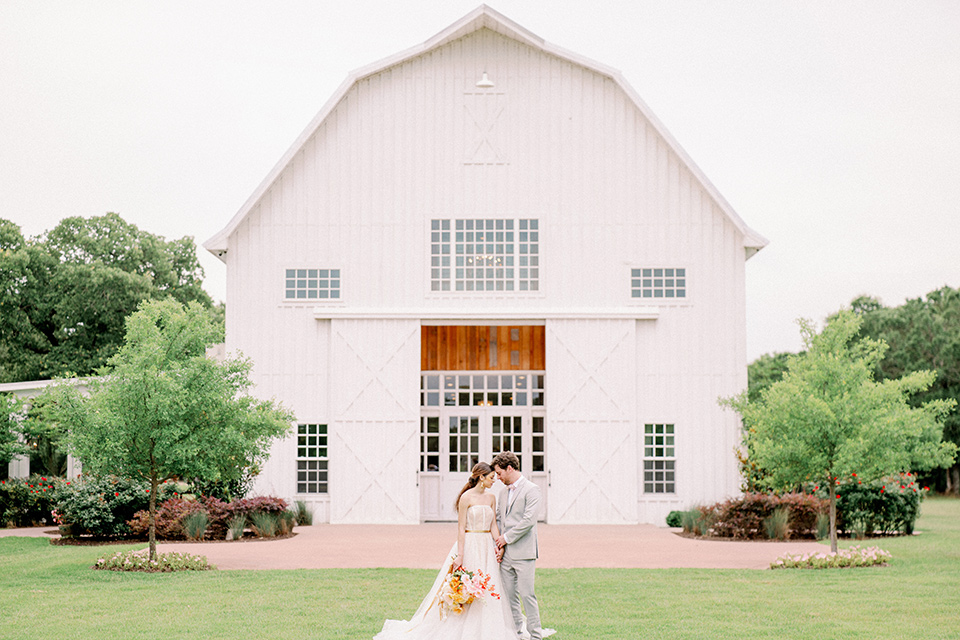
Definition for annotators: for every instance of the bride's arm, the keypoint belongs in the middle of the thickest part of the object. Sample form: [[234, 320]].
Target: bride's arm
[[494, 530], [461, 531]]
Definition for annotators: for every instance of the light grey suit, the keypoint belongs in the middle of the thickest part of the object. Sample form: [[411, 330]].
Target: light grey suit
[[517, 520]]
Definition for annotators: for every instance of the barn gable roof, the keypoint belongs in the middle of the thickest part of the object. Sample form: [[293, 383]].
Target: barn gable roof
[[483, 17]]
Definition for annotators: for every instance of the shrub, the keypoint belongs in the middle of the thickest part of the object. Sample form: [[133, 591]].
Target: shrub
[[165, 562], [170, 516], [267, 504], [744, 517], [195, 525], [304, 515], [889, 505], [27, 502], [675, 519], [100, 505]]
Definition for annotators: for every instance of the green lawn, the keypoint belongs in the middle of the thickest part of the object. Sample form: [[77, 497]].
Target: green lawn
[[49, 592]]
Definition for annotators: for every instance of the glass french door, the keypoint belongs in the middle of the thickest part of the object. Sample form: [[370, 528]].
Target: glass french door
[[455, 436]]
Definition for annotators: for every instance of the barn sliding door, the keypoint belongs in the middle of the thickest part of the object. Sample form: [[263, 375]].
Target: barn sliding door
[[374, 435], [591, 405]]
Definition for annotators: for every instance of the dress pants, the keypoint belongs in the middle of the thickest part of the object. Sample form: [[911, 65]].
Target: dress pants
[[518, 578]]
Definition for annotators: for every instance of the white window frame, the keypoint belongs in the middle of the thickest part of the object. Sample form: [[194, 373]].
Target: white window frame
[[316, 278], [321, 458], [665, 285], [659, 452]]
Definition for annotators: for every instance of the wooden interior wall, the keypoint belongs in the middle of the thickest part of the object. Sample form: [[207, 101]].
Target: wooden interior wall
[[472, 348]]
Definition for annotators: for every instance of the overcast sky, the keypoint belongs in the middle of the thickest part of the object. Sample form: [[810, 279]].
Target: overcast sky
[[832, 127]]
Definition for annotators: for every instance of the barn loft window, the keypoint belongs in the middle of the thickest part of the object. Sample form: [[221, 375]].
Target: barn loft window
[[312, 458], [312, 284], [659, 459], [658, 283], [485, 254]]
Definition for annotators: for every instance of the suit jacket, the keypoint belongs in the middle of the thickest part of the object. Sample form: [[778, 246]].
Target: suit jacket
[[518, 521]]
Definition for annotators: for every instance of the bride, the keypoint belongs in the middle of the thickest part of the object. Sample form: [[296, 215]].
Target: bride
[[489, 619]]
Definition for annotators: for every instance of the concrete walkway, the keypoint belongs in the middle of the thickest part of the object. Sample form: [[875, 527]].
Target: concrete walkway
[[424, 547]]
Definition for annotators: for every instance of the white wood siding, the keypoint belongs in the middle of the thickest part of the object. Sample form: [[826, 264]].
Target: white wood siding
[[610, 193]]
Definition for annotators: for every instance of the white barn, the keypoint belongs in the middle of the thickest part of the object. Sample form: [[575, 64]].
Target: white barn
[[488, 242]]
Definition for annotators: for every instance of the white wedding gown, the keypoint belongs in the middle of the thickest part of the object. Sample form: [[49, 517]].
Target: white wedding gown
[[489, 619]]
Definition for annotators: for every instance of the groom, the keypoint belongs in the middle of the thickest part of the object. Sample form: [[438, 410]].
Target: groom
[[517, 509]]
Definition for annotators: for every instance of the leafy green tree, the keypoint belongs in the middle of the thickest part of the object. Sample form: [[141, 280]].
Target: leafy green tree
[[161, 409], [764, 371], [923, 333], [64, 295], [12, 443], [827, 418]]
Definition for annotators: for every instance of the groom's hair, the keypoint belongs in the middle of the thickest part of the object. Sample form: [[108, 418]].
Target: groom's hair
[[506, 459]]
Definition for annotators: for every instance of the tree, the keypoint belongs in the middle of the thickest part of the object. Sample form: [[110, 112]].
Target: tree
[[827, 418], [923, 333], [64, 296], [161, 409], [764, 371], [11, 440]]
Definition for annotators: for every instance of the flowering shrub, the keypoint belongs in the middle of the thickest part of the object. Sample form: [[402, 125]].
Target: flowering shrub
[[744, 517], [100, 505], [889, 505], [165, 562], [844, 558], [26, 502]]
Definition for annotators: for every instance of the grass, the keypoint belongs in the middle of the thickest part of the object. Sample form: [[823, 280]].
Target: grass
[[49, 591]]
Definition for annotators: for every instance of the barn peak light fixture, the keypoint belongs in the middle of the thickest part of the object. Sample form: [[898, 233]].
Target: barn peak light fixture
[[484, 82]]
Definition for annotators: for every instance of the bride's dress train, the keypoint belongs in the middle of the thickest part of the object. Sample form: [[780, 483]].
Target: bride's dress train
[[489, 619]]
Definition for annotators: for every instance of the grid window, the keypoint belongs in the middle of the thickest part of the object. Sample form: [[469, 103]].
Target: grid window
[[539, 450], [659, 459], [429, 443], [485, 254], [312, 284], [312, 458], [464, 442], [508, 435], [518, 389], [658, 283]]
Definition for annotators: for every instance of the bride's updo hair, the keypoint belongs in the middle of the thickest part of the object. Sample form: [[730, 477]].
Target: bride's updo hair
[[479, 470]]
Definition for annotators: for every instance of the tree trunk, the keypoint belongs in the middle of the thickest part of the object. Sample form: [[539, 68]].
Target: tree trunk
[[833, 515], [953, 480], [152, 520]]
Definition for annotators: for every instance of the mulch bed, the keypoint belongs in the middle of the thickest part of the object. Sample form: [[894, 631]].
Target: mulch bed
[[92, 541]]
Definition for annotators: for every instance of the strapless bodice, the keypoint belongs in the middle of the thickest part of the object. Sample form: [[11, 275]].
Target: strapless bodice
[[479, 518]]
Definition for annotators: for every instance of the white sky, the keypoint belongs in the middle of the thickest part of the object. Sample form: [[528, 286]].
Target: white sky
[[832, 127]]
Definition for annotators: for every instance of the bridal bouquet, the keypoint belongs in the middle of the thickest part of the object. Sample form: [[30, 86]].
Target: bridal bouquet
[[462, 587]]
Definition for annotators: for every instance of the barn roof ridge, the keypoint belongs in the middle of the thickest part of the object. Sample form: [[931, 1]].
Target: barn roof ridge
[[482, 17]]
